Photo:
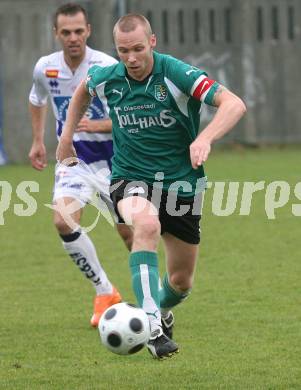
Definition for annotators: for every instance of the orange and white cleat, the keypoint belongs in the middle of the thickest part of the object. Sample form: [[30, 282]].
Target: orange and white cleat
[[101, 303]]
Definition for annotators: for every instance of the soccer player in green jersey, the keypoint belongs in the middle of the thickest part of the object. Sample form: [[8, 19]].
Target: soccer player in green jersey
[[154, 101]]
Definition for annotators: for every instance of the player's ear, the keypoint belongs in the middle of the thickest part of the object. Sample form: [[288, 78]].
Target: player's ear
[[54, 30], [89, 30], [153, 41]]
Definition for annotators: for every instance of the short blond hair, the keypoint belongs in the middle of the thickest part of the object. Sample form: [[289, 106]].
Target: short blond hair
[[130, 22]]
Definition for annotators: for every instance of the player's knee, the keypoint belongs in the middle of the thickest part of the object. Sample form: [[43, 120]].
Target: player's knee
[[61, 225], [147, 227], [181, 282]]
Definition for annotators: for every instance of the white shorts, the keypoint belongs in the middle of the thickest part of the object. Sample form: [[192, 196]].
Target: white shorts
[[85, 185]]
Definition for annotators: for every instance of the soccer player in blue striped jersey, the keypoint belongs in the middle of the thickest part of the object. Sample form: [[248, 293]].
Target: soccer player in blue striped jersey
[[56, 76], [154, 101]]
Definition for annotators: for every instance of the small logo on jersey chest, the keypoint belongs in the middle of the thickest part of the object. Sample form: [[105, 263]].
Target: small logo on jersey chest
[[53, 84], [52, 73], [119, 92], [160, 92]]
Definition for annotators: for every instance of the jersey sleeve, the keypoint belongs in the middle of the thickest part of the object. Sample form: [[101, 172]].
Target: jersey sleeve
[[191, 80], [92, 80], [38, 94]]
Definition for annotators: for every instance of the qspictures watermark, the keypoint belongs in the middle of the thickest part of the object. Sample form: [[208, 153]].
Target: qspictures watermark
[[277, 194], [228, 198]]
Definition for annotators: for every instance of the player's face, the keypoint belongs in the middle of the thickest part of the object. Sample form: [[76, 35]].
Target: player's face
[[72, 32], [135, 50]]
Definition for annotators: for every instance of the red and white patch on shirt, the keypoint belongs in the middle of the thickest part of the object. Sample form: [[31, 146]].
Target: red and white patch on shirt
[[201, 87], [52, 73]]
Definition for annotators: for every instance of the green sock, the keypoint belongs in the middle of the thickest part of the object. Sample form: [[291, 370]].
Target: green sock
[[169, 297], [145, 279]]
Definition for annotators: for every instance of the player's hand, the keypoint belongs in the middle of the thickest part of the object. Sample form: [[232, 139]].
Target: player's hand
[[65, 152], [37, 156], [87, 125], [199, 151]]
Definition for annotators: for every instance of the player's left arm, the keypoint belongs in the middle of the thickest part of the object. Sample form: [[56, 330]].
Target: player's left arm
[[94, 125], [230, 109]]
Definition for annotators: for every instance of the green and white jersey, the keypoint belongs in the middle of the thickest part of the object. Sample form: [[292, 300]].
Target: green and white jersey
[[155, 121]]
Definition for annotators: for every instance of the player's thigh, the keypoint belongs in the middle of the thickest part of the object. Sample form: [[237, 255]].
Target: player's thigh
[[181, 256], [137, 210], [132, 204]]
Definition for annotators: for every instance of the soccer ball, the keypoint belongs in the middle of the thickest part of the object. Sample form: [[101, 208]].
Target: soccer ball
[[124, 328]]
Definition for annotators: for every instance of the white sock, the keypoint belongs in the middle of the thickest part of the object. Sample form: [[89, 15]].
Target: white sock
[[153, 313], [83, 253]]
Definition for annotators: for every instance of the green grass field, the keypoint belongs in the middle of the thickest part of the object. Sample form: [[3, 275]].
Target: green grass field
[[240, 328]]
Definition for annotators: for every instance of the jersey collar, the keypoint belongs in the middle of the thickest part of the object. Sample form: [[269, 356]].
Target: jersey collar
[[86, 59]]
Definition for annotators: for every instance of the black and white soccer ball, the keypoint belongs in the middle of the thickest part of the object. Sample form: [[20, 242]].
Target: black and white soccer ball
[[124, 328]]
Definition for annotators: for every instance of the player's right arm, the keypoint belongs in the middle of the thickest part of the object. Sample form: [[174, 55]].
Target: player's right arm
[[77, 107], [38, 110], [37, 154]]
